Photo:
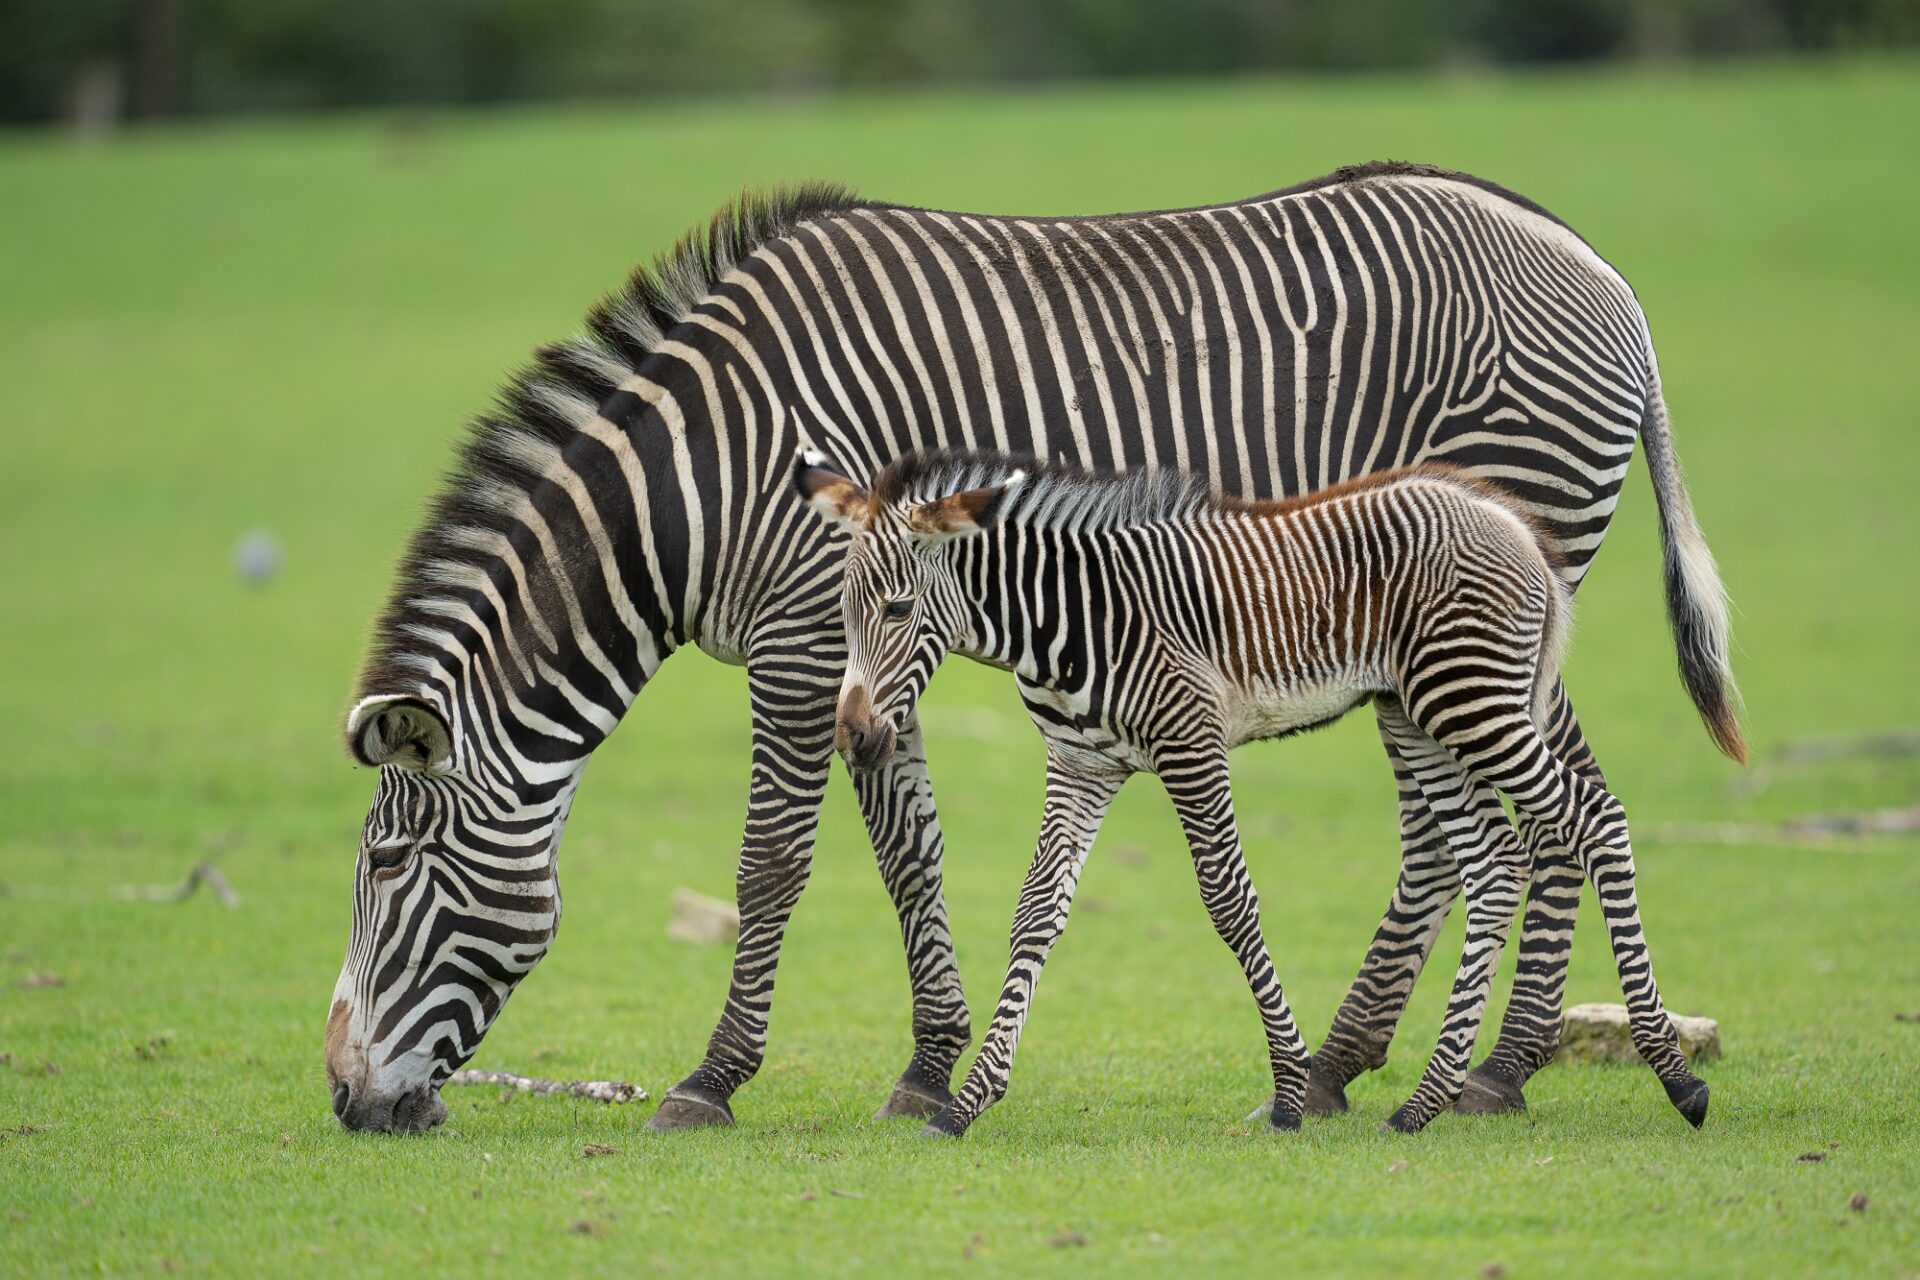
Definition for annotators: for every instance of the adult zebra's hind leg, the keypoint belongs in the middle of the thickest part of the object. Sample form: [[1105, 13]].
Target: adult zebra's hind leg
[[897, 802], [1530, 1032], [1429, 882], [792, 708]]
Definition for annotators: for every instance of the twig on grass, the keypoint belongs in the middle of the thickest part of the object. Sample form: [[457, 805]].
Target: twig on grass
[[1894, 745], [1819, 830], [203, 873], [609, 1091]]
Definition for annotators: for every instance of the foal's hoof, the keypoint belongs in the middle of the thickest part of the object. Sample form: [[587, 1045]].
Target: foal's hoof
[[690, 1108], [1326, 1096], [1283, 1120], [1404, 1120], [1689, 1097], [912, 1098], [1489, 1092], [944, 1125]]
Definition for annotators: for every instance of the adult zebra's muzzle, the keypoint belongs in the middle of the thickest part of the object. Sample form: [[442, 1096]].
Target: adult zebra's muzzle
[[361, 1100], [864, 740]]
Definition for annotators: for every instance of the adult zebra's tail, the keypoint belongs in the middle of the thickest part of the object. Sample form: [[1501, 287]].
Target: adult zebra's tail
[[1696, 600]]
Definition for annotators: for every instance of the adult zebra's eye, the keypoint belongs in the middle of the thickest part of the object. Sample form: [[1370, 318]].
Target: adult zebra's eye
[[897, 609], [387, 857]]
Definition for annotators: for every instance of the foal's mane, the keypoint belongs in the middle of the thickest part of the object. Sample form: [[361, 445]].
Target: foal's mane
[[507, 450], [1060, 495]]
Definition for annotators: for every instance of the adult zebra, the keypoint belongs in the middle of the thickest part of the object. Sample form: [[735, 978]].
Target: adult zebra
[[630, 496]]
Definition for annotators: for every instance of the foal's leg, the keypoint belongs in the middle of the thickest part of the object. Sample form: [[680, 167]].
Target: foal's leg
[[1493, 869], [1590, 821], [1076, 802], [1530, 1032], [1198, 784], [897, 802]]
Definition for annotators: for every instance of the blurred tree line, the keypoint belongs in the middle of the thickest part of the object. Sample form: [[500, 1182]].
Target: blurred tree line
[[95, 61]]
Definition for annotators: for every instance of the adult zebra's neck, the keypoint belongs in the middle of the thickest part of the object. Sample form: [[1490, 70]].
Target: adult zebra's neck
[[576, 541]]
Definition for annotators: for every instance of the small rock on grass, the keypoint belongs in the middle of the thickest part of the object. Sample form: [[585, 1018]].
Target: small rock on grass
[[1601, 1033], [702, 920]]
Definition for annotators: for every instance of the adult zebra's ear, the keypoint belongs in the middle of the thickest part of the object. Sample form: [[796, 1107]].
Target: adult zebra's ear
[[829, 493], [960, 514], [398, 729]]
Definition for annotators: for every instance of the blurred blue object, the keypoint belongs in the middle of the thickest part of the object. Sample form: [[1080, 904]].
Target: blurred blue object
[[256, 557]]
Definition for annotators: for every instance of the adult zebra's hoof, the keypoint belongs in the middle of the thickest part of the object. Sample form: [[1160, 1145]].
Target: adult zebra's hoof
[[1489, 1092], [913, 1098], [1326, 1095], [690, 1108], [1283, 1120], [1689, 1097]]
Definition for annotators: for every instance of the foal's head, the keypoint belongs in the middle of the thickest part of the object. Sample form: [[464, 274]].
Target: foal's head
[[900, 598]]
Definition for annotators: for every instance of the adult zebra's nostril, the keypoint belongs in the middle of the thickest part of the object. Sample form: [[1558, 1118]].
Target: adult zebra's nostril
[[342, 1097]]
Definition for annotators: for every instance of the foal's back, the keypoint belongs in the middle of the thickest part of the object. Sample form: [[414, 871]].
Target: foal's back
[[1328, 598]]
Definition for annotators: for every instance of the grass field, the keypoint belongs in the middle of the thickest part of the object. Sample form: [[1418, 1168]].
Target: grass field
[[222, 327]]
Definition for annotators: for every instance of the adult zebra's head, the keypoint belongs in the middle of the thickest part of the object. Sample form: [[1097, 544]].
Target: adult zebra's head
[[900, 598], [455, 898]]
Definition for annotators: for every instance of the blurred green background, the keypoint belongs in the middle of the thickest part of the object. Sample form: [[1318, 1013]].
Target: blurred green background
[[281, 325]]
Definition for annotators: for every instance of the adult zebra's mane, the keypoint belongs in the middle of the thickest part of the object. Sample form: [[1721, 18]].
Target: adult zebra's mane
[[508, 450]]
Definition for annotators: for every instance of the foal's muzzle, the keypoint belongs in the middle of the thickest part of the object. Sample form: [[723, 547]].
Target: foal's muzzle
[[864, 745], [863, 740]]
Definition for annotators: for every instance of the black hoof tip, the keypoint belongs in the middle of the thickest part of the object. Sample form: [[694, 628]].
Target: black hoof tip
[[1689, 1097], [944, 1125], [1404, 1121], [911, 1098], [684, 1108], [1489, 1092], [1283, 1120], [1326, 1096]]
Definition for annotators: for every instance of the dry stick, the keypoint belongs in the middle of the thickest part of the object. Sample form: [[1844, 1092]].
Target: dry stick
[[203, 873], [598, 1090], [1828, 830], [1893, 745]]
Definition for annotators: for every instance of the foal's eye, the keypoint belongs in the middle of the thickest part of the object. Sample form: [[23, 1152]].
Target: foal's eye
[[388, 856], [897, 609]]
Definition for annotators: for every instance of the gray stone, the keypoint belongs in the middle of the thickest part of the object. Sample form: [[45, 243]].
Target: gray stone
[[702, 920], [1601, 1033]]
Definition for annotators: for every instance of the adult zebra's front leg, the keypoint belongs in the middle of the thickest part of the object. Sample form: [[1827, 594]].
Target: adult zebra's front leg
[[792, 704], [897, 802], [1077, 800]]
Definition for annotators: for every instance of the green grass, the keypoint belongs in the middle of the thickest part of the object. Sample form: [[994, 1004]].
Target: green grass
[[283, 325]]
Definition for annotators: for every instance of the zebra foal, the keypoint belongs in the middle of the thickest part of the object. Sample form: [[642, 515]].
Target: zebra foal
[[1153, 626]]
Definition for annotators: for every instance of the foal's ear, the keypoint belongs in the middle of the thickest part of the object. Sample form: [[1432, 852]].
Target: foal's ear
[[829, 493], [960, 514], [397, 729]]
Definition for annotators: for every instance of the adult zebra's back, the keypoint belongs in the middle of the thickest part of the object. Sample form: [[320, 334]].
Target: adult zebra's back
[[631, 496]]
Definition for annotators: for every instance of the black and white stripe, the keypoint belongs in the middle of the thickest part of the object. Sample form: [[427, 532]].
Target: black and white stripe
[[630, 496], [1152, 628]]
